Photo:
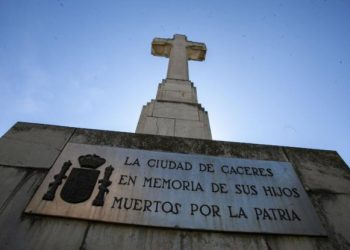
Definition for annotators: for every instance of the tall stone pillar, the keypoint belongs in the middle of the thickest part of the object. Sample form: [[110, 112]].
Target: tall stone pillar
[[176, 111]]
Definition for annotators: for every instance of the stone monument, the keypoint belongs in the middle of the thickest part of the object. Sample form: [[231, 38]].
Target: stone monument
[[176, 111], [168, 186]]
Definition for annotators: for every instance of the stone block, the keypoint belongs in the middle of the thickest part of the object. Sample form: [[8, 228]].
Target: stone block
[[165, 126], [176, 96], [147, 125], [177, 86], [191, 129], [158, 118], [33, 145], [155, 125], [203, 116], [176, 111], [147, 110], [177, 81]]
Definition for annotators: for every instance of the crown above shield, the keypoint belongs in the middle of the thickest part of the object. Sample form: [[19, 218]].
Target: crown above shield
[[91, 161]]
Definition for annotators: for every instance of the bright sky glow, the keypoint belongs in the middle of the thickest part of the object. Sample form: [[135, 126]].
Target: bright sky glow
[[276, 72]]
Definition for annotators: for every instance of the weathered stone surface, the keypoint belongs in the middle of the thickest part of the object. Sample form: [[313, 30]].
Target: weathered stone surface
[[20, 231], [102, 236], [180, 145], [327, 179], [292, 243], [177, 91], [9, 180], [205, 240], [194, 129], [323, 173], [126, 237], [28, 145], [334, 209], [176, 111], [148, 125], [174, 119], [165, 126], [147, 110], [316, 165]]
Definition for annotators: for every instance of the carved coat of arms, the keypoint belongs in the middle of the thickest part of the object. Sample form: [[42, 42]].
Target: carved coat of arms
[[80, 183]]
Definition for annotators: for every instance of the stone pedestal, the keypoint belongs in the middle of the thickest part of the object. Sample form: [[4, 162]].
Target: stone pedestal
[[28, 151], [175, 112]]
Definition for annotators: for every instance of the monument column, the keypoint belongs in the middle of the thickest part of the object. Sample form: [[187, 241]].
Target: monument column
[[176, 111]]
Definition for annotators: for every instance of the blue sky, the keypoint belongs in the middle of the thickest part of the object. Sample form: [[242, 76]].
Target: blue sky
[[276, 72]]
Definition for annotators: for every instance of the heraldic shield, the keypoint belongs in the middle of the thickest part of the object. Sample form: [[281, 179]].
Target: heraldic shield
[[81, 181], [79, 185]]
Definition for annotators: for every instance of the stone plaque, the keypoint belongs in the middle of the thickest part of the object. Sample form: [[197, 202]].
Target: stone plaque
[[119, 185]]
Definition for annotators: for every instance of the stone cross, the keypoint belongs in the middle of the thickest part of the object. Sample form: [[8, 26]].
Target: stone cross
[[179, 51]]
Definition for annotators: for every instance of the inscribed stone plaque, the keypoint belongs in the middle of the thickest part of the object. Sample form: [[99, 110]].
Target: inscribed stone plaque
[[175, 190]]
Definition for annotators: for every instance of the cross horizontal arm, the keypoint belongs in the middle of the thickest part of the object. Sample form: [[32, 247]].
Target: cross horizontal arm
[[196, 51], [161, 47]]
